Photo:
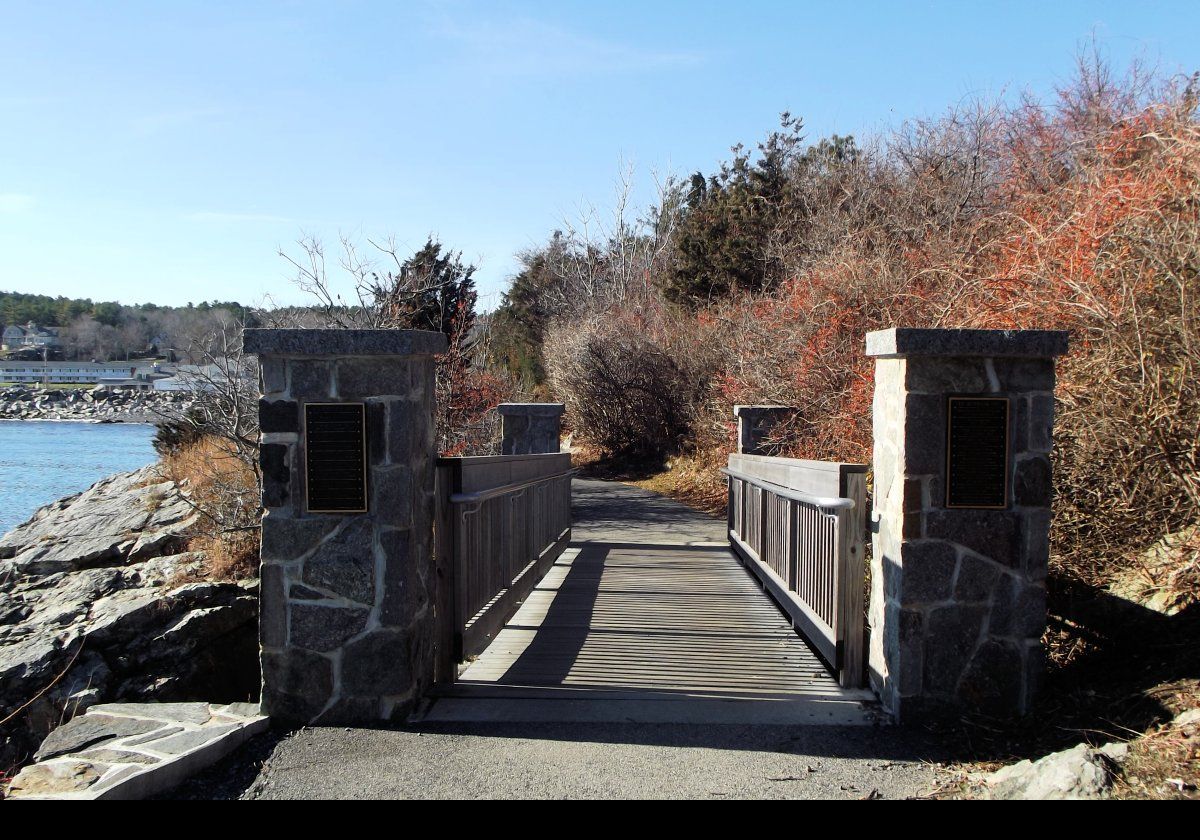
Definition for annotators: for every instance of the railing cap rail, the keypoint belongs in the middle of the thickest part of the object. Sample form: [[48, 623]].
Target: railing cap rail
[[829, 502], [821, 466], [481, 496]]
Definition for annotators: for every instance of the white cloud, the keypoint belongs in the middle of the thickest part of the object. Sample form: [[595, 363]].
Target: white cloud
[[15, 202]]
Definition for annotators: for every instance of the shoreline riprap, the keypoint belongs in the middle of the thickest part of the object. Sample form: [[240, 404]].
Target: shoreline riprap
[[95, 405]]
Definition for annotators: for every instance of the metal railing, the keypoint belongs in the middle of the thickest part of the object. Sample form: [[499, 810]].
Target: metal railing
[[800, 526], [502, 521]]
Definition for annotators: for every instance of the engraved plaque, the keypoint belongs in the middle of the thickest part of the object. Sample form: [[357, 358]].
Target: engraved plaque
[[335, 457], [977, 452]]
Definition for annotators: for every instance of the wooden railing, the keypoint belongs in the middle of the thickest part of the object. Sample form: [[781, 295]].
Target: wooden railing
[[800, 527], [501, 522]]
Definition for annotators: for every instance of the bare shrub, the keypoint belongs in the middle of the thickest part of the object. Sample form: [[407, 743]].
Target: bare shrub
[[209, 449], [625, 391], [1080, 214], [432, 289]]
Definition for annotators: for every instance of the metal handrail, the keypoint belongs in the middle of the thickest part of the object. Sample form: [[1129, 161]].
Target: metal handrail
[[481, 496], [830, 502]]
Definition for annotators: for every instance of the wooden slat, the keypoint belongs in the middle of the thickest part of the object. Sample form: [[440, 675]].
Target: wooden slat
[[809, 558], [445, 653], [504, 543]]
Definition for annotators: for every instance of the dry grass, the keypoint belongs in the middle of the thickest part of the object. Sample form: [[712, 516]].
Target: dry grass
[[224, 490], [1165, 762]]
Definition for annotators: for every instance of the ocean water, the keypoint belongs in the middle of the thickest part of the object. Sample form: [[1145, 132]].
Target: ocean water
[[42, 461]]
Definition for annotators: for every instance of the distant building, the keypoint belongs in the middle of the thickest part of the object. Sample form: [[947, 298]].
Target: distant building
[[30, 336], [65, 373], [189, 377]]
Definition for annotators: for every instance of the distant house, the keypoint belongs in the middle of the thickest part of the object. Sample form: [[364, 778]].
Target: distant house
[[30, 336]]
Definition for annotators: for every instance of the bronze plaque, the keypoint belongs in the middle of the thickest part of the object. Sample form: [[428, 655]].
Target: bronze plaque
[[977, 452], [335, 457]]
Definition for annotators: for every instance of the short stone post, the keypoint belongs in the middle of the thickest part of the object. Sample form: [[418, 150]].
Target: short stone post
[[962, 490], [530, 428], [347, 582], [755, 423]]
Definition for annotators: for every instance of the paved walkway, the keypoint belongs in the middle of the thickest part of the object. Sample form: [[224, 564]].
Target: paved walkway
[[649, 665], [648, 618]]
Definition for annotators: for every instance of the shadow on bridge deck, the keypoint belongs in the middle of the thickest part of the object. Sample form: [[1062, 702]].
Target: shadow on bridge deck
[[648, 618]]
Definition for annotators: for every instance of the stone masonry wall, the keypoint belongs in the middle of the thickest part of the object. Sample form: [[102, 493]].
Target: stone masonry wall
[[958, 599], [346, 609]]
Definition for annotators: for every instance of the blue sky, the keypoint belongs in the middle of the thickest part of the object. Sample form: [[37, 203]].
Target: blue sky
[[164, 151]]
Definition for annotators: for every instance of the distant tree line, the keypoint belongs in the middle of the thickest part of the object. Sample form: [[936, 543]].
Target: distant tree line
[[107, 330]]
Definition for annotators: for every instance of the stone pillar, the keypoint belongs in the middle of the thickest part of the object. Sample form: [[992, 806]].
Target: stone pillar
[[755, 423], [530, 428], [346, 619], [958, 593]]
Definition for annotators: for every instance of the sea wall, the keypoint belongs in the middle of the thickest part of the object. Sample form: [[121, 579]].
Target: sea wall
[[100, 404]]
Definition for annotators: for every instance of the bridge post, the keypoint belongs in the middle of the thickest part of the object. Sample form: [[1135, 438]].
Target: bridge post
[[530, 428], [755, 423], [962, 488], [347, 453]]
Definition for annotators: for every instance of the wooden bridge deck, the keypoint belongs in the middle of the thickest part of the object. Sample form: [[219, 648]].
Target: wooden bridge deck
[[648, 617]]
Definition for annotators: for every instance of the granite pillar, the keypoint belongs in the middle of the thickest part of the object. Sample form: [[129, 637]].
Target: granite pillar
[[346, 618], [958, 595]]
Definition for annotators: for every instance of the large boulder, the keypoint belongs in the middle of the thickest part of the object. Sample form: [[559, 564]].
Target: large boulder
[[99, 602]]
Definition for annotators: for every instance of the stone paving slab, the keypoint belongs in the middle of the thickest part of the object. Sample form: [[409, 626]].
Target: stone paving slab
[[134, 750]]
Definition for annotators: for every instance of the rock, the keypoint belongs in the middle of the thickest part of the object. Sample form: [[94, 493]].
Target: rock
[[61, 777], [1189, 718], [88, 731], [90, 607], [1162, 578], [100, 526], [174, 741], [1082, 772], [98, 405]]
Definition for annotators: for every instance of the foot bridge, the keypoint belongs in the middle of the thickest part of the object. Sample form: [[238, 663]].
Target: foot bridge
[[648, 613], [503, 588]]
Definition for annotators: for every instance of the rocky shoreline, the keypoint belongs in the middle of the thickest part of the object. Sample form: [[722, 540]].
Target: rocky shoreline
[[89, 405], [100, 601]]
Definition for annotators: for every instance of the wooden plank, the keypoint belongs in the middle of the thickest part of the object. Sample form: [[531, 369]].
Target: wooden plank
[[486, 472], [817, 478], [445, 657], [628, 623]]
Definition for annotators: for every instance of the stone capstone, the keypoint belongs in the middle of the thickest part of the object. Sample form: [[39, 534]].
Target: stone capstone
[[327, 343], [902, 342]]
